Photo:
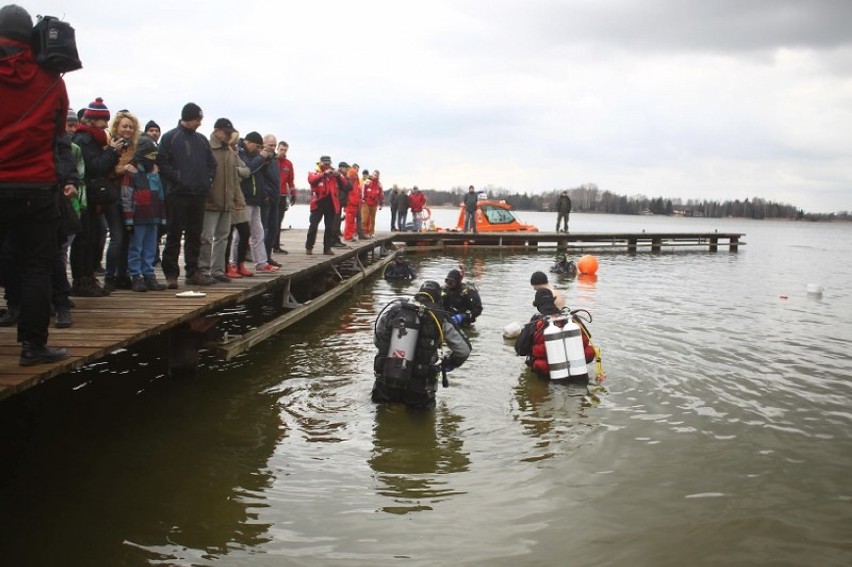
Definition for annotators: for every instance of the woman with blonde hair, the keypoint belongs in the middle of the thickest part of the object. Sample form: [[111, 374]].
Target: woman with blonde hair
[[123, 129]]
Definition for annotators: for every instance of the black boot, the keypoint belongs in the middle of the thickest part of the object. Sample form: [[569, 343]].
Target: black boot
[[32, 354], [10, 317], [139, 284], [63, 319], [153, 285]]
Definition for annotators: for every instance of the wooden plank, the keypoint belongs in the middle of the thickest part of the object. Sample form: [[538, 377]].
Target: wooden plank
[[232, 348]]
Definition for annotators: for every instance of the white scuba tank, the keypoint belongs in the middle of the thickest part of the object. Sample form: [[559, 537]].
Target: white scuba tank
[[405, 330], [565, 355]]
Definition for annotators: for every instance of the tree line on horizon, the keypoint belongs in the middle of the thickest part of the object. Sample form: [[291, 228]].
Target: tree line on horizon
[[589, 198]]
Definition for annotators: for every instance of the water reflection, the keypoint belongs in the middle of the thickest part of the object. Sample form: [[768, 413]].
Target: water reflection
[[551, 413], [412, 449], [169, 470]]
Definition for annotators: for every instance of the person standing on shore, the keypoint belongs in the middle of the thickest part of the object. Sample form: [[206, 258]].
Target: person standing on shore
[[35, 105], [393, 199], [187, 168], [324, 205], [373, 201], [417, 200], [287, 190], [563, 210], [402, 205], [470, 201], [220, 203]]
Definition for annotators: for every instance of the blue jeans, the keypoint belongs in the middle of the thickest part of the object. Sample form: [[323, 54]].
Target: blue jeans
[[402, 218], [143, 248], [470, 221]]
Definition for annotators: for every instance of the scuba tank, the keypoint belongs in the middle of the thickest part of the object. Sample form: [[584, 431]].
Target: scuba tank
[[564, 345], [405, 330]]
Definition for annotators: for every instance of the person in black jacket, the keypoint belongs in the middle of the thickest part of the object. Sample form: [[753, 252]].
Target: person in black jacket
[[187, 167], [407, 370], [461, 300], [563, 211]]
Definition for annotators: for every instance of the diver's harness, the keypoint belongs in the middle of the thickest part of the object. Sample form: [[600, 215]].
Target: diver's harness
[[405, 334]]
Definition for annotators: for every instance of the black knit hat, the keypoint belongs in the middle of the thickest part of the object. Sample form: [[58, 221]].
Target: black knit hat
[[538, 278], [224, 125], [191, 111], [97, 110], [254, 137], [16, 23], [145, 146], [151, 124]]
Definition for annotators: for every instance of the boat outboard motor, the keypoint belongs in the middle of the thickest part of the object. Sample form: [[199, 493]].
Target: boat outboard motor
[[405, 330], [564, 345]]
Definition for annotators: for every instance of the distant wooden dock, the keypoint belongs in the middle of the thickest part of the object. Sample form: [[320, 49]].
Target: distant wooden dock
[[303, 285]]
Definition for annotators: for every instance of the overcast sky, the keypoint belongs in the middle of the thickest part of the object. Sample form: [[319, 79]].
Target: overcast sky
[[674, 98]]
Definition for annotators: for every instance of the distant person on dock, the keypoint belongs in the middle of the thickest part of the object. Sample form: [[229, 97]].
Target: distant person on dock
[[271, 198], [373, 201], [324, 205], [403, 204], [461, 300], [187, 167], [287, 190], [220, 202], [353, 205], [393, 201], [344, 187], [470, 201], [35, 105], [417, 200], [563, 211], [256, 157], [400, 269], [409, 335], [538, 280]]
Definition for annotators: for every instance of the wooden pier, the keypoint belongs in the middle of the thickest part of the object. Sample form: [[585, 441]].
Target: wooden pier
[[303, 285], [576, 242]]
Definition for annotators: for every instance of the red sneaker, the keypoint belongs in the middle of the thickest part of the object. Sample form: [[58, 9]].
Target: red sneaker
[[231, 271]]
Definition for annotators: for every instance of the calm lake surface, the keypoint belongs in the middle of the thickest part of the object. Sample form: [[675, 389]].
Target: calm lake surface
[[724, 437]]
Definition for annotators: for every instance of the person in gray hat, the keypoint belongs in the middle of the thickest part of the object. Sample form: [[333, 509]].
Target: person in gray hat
[[30, 180]]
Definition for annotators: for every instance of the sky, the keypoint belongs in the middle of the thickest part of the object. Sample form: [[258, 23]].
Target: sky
[[684, 99]]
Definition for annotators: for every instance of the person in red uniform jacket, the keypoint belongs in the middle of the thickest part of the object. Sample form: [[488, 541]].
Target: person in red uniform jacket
[[287, 190], [373, 200], [417, 201], [324, 205], [353, 205], [32, 123], [546, 305]]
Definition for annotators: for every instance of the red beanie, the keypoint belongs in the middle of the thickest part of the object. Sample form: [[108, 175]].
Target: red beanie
[[97, 110]]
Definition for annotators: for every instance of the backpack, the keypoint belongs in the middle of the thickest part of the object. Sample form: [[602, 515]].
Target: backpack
[[55, 45], [524, 342]]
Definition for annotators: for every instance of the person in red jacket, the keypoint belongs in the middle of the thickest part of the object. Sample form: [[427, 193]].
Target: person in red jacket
[[417, 201], [353, 204], [32, 121], [324, 205], [287, 189], [373, 200]]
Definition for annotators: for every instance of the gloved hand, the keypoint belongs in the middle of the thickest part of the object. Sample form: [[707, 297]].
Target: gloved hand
[[458, 318], [446, 365]]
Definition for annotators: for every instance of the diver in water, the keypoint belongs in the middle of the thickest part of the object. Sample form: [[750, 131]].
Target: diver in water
[[461, 300], [409, 335], [399, 269], [564, 266]]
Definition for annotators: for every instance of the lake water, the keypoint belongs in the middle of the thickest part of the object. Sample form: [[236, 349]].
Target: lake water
[[724, 437]]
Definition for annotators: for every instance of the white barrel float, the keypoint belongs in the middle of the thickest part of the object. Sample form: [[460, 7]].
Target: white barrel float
[[512, 330], [563, 342]]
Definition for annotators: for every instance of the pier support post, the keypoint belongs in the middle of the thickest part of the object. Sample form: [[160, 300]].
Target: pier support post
[[184, 343], [714, 243], [734, 244]]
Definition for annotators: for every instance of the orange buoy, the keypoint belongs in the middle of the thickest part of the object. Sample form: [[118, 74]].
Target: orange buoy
[[588, 264]]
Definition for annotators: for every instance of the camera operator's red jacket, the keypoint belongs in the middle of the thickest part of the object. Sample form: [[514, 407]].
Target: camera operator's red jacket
[[35, 105], [323, 186]]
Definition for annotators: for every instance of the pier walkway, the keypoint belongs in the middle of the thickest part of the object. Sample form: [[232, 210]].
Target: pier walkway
[[303, 285]]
